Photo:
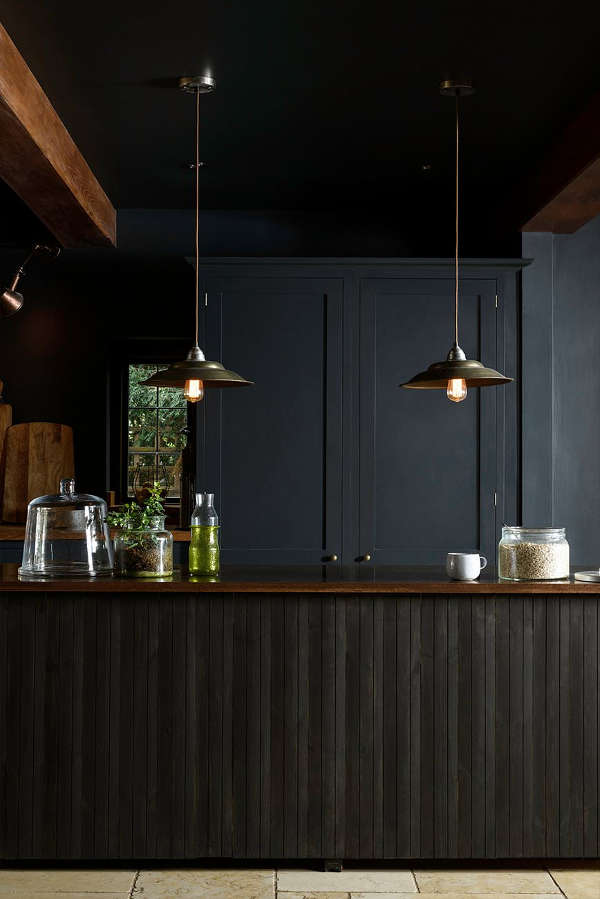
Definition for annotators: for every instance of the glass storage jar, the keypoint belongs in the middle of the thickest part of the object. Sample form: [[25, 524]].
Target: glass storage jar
[[533, 554], [145, 552], [66, 535]]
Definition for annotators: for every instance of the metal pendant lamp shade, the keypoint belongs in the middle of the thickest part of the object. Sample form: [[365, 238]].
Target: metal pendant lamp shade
[[456, 373], [195, 369], [474, 373], [212, 374]]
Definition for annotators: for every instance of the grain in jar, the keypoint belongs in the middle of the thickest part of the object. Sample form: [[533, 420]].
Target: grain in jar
[[533, 554]]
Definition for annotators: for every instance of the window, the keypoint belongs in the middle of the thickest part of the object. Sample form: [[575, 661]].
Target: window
[[156, 417]]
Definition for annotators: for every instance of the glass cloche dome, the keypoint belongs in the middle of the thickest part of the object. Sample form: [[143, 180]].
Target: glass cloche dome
[[67, 536]]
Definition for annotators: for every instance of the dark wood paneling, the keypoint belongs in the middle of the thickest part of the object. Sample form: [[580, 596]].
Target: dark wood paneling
[[295, 726]]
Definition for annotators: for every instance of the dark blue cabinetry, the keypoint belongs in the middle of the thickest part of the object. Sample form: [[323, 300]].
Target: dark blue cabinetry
[[326, 456]]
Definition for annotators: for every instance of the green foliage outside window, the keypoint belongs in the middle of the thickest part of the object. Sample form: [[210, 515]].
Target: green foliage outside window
[[156, 418]]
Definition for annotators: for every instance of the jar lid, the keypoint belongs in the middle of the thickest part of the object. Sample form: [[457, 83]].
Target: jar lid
[[66, 498], [518, 529]]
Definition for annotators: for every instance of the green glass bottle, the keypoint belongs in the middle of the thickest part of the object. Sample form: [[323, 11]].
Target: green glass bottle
[[204, 559]]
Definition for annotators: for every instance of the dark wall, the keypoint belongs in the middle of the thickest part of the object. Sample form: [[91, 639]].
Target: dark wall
[[561, 387], [54, 352]]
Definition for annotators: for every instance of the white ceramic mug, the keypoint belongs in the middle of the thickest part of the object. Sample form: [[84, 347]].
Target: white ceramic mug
[[465, 566]]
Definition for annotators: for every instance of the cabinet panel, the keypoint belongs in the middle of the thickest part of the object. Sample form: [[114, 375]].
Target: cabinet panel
[[272, 452], [427, 466]]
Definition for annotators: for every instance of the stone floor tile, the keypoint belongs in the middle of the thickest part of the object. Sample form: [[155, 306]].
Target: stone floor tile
[[349, 880], [26, 894], [449, 895], [207, 883], [467, 882], [15, 880], [578, 884], [313, 895]]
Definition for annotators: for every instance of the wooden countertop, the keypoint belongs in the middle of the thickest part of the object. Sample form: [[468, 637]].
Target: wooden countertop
[[308, 579]]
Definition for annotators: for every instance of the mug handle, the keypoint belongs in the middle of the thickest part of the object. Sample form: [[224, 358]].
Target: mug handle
[[482, 562]]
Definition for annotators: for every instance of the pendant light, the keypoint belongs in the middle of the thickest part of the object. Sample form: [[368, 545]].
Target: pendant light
[[457, 373], [195, 373]]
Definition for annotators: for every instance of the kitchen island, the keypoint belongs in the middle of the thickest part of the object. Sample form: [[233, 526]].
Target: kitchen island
[[313, 713]]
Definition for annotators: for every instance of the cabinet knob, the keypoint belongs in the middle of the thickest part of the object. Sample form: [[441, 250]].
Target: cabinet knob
[[365, 558], [331, 558]]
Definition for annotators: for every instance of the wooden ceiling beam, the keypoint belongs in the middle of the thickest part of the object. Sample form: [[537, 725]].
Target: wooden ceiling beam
[[40, 161], [563, 193]]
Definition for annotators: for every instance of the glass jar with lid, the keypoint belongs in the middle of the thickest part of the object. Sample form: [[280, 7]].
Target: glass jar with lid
[[66, 535], [533, 554], [145, 552]]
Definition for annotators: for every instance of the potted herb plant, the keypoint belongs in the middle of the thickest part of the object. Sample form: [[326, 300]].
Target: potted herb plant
[[143, 548]]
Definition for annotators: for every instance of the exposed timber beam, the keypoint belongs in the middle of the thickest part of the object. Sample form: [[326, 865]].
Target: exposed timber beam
[[40, 161], [563, 193]]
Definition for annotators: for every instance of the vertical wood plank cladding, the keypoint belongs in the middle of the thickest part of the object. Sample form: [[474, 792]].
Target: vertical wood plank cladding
[[315, 811], [389, 724], [552, 722], [490, 727], [238, 738], [465, 723], [139, 774], [535, 829], [478, 727], [574, 725], [290, 836], [265, 725], [428, 785], [453, 728], [566, 744], [326, 644], [503, 727], [403, 726], [64, 724], [179, 652], [352, 729], [590, 727], [253, 727], [440, 726], [415, 726], [102, 727], [215, 727], [341, 604], [117, 699], [365, 698], [303, 725], [277, 744], [4, 600], [378, 713], [516, 613], [20, 639], [300, 726]]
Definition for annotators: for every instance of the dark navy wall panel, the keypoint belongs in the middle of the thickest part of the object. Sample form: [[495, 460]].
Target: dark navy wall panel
[[561, 385]]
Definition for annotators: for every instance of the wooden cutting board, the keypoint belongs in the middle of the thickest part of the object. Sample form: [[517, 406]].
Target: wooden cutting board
[[38, 455]]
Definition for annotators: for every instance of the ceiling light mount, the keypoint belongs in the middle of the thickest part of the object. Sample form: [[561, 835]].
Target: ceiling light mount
[[197, 84], [456, 88]]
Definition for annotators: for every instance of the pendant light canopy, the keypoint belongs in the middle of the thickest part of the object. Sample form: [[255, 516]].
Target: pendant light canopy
[[195, 373], [456, 373]]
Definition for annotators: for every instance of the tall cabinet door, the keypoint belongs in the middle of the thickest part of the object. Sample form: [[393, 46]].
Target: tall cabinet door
[[272, 452], [427, 465]]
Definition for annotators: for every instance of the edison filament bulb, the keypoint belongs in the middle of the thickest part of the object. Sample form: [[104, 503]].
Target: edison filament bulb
[[456, 390], [193, 391]]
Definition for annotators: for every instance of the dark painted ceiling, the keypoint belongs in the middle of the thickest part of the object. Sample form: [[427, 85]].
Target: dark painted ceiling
[[319, 105]]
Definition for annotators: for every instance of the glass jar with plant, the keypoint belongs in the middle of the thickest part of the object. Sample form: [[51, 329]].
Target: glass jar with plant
[[143, 547]]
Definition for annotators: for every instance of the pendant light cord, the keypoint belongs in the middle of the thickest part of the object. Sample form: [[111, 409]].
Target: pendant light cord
[[456, 234], [197, 211]]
